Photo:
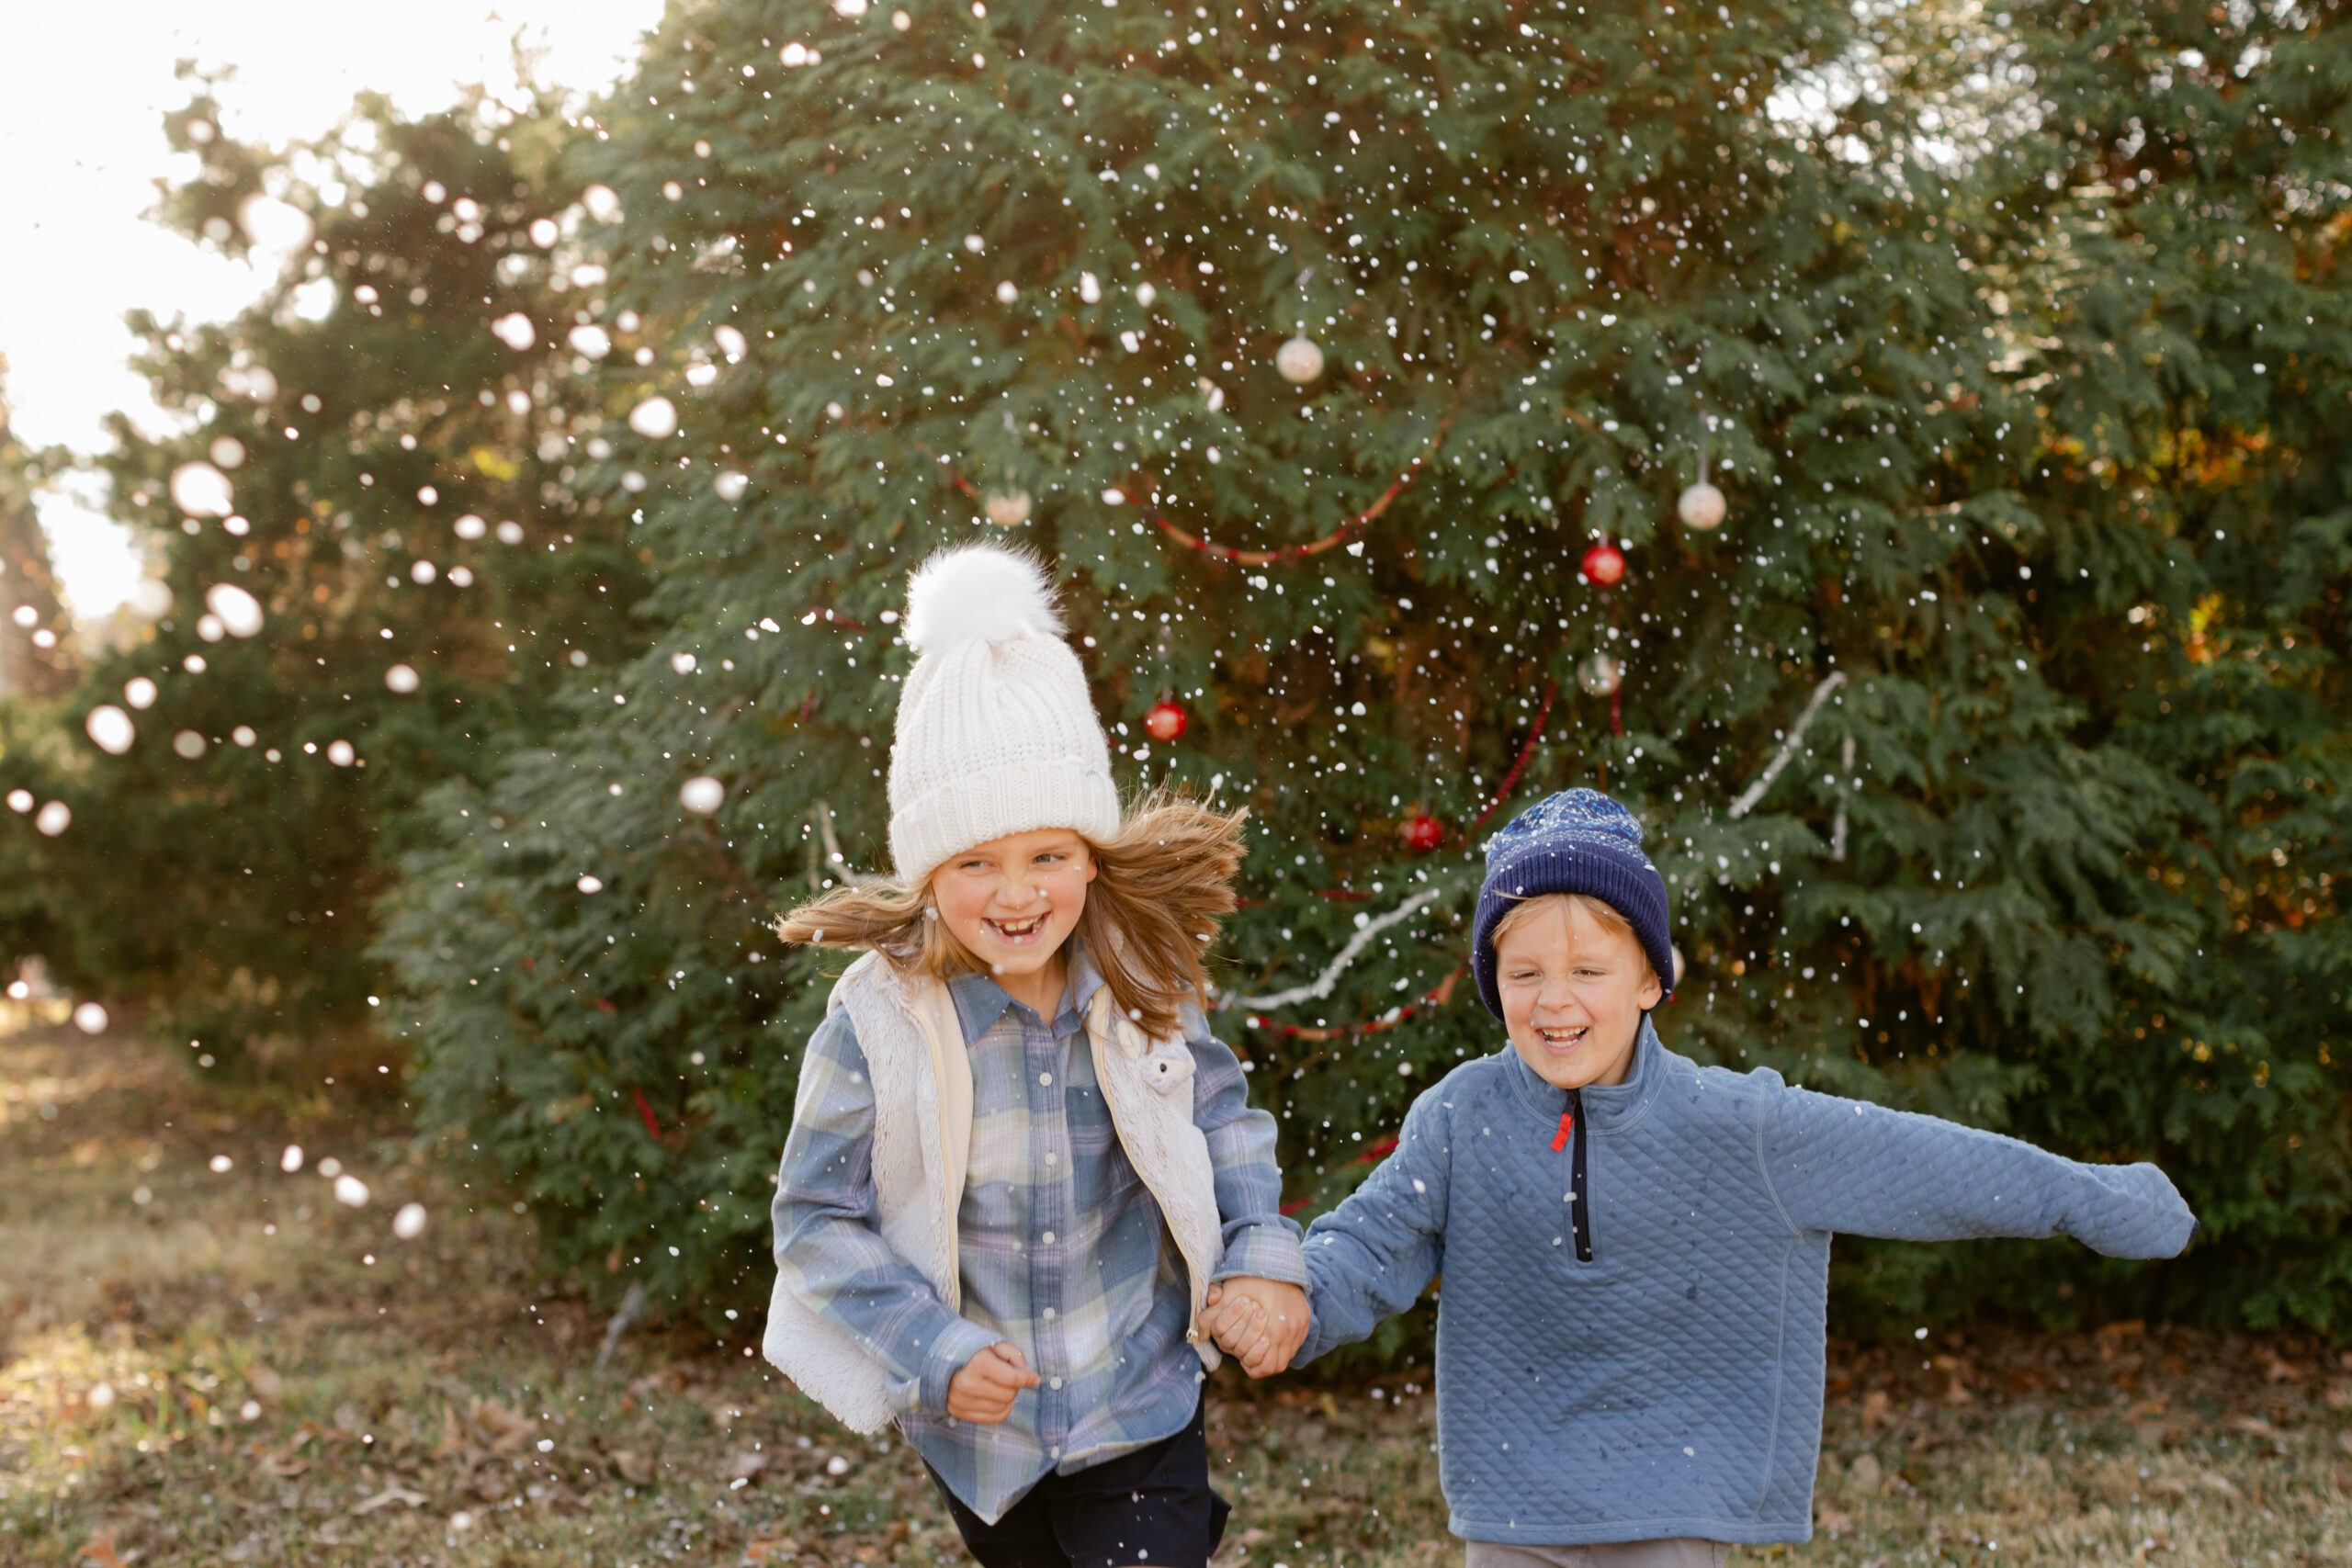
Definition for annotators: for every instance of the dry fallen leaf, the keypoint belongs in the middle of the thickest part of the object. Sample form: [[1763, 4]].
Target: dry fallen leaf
[[395, 1493], [1833, 1521], [100, 1549], [745, 1466], [506, 1431], [632, 1466]]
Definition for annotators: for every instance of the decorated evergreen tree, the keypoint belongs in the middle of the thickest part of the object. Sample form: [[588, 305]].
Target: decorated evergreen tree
[[1424, 409], [376, 571]]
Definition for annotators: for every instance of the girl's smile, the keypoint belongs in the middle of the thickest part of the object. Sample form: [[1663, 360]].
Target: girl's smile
[[1020, 932]]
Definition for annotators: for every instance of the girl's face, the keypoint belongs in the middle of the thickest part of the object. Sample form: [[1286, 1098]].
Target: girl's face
[[1573, 994], [1013, 901]]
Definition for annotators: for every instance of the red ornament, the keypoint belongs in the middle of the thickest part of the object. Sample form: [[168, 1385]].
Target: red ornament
[[1423, 833], [1604, 565], [1166, 721]]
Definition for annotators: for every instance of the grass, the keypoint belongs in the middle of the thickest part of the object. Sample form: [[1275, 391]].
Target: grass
[[202, 1366]]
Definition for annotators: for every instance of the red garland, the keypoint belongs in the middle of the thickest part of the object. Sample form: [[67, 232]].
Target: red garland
[[1338, 536], [1502, 791], [646, 1111]]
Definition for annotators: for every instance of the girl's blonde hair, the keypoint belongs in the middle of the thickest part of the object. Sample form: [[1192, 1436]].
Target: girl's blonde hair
[[1162, 884]]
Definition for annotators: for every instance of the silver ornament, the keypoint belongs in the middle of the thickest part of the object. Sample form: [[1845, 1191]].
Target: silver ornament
[[1600, 675]]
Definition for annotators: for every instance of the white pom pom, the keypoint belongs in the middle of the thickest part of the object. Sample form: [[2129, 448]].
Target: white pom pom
[[979, 592]]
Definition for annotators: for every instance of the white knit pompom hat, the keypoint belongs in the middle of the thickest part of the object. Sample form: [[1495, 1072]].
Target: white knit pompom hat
[[997, 733]]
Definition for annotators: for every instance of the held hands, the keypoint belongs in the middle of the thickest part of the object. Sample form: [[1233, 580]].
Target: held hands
[[1259, 1322], [983, 1389]]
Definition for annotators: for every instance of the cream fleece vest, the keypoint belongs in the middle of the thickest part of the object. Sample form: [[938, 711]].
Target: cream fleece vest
[[913, 1044]]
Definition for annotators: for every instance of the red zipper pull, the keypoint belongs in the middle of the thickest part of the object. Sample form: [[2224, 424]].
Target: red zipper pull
[[1567, 1125]]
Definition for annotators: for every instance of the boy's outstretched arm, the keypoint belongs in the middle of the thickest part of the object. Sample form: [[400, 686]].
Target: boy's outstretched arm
[[1373, 1255], [828, 1247], [1844, 1165]]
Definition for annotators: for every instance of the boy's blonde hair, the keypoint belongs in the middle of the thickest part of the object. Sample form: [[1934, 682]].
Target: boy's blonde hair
[[1604, 914], [1163, 882]]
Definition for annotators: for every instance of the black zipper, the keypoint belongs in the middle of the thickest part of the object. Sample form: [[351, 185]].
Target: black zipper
[[1579, 1212]]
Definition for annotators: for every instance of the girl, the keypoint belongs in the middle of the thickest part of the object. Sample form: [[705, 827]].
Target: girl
[[1018, 1160]]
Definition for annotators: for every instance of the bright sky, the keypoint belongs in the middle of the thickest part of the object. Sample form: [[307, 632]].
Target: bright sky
[[81, 96]]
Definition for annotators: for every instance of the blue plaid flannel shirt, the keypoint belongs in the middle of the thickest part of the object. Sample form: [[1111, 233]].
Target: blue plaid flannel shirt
[[1061, 1246]]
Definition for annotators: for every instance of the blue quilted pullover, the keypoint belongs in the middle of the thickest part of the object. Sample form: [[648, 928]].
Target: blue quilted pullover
[[1669, 1382]]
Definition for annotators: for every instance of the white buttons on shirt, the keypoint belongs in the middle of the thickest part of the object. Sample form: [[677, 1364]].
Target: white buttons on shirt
[[1053, 1159], [1045, 1078], [1049, 1238], [1050, 1314], [1053, 1382]]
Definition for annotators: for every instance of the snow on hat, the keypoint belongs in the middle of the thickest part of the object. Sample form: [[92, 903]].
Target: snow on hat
[[997, 733], [1578, 840]]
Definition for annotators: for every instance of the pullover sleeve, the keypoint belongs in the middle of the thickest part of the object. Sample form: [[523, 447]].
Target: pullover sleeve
[[1260, 1242], [1373, 1255], [828, 1245], [1844, 1165]]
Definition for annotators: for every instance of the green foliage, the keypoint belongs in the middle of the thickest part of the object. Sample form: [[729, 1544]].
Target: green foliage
[[222, 870], [1998, 458]]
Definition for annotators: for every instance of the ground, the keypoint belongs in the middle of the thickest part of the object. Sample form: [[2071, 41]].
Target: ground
[[203, 1363]]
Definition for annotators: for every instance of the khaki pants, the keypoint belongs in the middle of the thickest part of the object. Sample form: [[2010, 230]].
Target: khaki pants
[[1680, 1552]]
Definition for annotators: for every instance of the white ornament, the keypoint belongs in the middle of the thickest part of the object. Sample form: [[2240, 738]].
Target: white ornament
[[1299, 360], [1701, 506], [1007, 509]]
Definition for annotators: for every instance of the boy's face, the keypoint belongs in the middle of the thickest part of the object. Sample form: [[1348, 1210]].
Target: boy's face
[[1013, 901], [1573, 994]]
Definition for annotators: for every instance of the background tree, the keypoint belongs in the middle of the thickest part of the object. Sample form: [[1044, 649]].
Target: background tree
[[375, 570], [36, 661], [2172, 245], [1320, 345]]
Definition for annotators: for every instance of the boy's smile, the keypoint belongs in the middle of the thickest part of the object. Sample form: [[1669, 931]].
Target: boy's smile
[[1573, 990], [1562, 1040]]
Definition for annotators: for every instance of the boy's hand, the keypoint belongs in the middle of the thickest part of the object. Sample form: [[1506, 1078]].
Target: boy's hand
[[1260, 1323], [982, 1390]]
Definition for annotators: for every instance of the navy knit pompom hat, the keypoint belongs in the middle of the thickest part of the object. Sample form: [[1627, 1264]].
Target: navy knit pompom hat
[[1578, 840]]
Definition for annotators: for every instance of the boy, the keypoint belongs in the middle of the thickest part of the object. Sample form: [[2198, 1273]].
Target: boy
[[1635, 1248]]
